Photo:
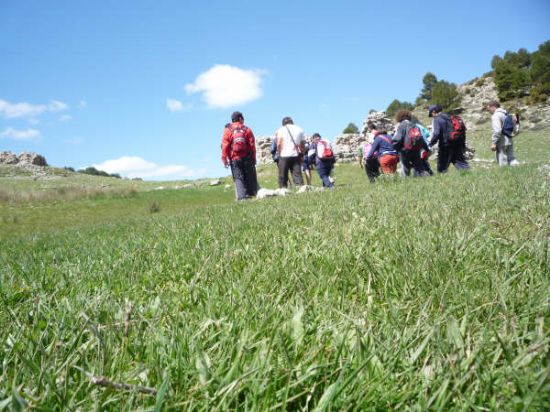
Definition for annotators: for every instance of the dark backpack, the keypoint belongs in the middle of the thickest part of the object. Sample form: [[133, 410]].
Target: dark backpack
[[457, 130], [508, 126], [239, 142], [413, 138]]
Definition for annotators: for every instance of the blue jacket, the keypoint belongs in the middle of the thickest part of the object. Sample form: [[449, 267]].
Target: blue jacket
[[382, 146], [441, 129]]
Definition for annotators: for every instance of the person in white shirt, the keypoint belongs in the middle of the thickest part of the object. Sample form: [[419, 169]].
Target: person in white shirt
[[502, 144], [290, 147]]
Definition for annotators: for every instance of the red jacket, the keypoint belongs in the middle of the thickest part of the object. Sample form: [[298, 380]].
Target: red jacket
[[227, 153]]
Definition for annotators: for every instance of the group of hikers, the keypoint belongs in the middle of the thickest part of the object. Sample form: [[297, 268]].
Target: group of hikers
[[410, 143]]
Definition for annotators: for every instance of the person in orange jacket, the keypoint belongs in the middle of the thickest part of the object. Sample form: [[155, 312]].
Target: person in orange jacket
[[239, 153]]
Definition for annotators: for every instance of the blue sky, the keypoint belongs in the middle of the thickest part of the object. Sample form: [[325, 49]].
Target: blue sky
[[144, 88]]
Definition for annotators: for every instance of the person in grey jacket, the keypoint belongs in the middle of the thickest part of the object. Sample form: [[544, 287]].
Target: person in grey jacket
[[501, 144]]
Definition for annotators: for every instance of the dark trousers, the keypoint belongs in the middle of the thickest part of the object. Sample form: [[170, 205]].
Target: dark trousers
[[427, 167], [244, 176], [372, 169], [287, 164], [410, 159], [324, 168], [451, 153]]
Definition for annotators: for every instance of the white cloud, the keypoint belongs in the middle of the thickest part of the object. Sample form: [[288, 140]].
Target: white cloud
[[13, 110], [28, 134], [223, 86], [28, 110], [176, 106], [133, 166], [55, 106], [65, 118]]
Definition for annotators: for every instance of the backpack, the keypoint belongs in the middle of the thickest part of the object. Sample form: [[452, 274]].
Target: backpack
[[458, 130], [509, 125], [413, 138], [239, 142], [324, 151]]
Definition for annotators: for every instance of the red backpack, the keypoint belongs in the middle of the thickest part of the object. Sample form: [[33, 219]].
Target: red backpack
[[458, 129], [240, 147], [324, 151], [413, 138]]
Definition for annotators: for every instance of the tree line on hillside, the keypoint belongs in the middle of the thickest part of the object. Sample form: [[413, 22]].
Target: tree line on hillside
[[93, 171], [522, 74], [517, 75]]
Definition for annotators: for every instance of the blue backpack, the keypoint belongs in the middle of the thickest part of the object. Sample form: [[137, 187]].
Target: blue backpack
[[508, 126]]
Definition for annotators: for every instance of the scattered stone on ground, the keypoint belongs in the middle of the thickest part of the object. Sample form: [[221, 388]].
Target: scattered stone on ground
[[216, 182]]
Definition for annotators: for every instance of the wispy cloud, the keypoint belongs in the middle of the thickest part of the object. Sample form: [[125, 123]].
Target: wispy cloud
[[27, 134], [134, 166], [56, 106], [65, 118], [224, 86], [82, 104], [30, 111], [174, 105]]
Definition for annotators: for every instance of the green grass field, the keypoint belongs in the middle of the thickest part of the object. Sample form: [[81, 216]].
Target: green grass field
[[409, 294]]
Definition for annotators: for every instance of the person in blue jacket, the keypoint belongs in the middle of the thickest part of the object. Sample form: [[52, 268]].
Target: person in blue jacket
[[382, 149], [324, 165], [449, 151]]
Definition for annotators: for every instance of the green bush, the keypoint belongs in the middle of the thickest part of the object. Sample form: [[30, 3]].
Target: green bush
[[445, 94], [351, 128], [397, 105]]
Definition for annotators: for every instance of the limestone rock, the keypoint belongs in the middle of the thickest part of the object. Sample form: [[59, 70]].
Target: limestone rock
[[26, 158], [8, 158]]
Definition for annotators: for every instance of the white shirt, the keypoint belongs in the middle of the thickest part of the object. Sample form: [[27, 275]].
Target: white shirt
[[284, 141]]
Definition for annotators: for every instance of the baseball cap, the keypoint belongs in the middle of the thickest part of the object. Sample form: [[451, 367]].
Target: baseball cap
[[434, 108]]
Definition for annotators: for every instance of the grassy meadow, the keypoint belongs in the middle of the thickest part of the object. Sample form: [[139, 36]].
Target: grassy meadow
[[408, 294]]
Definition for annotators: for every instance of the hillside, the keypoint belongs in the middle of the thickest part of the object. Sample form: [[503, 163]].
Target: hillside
[[425, 294]]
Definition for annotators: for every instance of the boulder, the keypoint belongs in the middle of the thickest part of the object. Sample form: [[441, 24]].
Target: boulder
[[8, 158], [27, 158]]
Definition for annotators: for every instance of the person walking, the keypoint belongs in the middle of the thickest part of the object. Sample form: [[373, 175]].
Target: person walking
[[383, 150], [408, 141], [239, 153], [451, 139], [321, 154], [502, 142], [372, 167], [290, 146]]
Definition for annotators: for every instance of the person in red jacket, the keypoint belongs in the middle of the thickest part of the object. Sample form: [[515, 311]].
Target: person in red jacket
[[239, 153]]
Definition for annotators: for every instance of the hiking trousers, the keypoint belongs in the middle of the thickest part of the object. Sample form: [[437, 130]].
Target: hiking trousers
[[244, 177], [410, 160], [454, 154], [324, 169], [505, 154], [287, 164], [372, 169]]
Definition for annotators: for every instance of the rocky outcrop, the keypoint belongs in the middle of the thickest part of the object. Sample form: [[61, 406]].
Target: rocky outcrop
[[24, 159], [346, 146], [263, 149], [477, 93]]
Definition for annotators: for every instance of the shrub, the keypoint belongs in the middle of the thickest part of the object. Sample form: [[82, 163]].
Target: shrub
[[396, 105], [351, 128], [445, 94], [154, 207]]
